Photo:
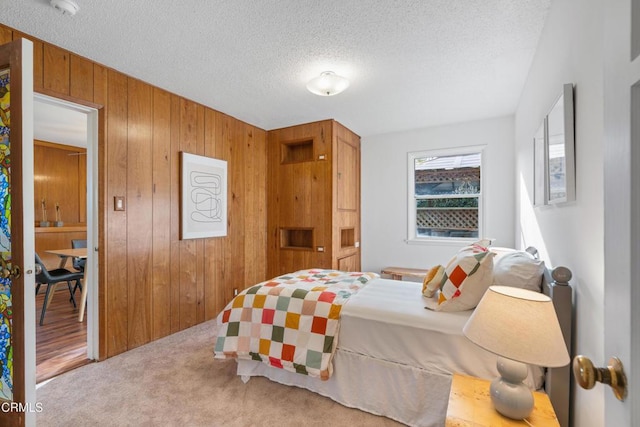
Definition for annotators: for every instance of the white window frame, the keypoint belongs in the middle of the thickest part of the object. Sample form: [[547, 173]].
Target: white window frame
[[412, 237]]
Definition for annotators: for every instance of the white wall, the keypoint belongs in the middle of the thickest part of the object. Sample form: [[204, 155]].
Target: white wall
[[384, 190], [571, 234]]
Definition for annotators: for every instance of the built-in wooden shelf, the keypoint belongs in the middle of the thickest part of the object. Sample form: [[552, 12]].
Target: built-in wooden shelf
[[297, 151], [296, 238], [64, 229], [347, 238]]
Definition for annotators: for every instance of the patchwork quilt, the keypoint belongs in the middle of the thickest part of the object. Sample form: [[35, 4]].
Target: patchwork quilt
[[290, 322]]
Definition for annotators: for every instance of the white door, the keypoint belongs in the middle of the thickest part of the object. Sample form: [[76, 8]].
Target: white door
[[621, 149]]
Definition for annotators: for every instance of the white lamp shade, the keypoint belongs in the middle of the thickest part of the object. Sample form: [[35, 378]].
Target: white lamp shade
[[327, 83], [520, 325]]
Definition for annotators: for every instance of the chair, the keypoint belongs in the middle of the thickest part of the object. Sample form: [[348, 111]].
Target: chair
[[78, 263], [51, 278]]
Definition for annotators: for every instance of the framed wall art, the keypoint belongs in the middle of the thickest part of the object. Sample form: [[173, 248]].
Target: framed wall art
[[203, 197]]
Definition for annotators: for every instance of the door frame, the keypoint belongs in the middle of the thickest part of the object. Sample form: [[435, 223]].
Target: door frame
[[92, 274], [621, 156]]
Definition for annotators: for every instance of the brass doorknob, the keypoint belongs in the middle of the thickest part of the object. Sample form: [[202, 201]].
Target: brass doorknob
[[613, 375]]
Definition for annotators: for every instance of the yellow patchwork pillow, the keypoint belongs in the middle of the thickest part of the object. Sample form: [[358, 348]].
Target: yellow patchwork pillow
[[433, 281], [466, 278]]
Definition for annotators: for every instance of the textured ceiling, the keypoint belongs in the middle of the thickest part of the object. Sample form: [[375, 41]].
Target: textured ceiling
[[411, 63]]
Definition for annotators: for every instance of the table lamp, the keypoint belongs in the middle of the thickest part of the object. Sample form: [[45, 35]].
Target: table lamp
[[521, 327]]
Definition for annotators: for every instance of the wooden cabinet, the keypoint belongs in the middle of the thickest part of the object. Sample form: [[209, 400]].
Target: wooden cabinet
[[313, 198]]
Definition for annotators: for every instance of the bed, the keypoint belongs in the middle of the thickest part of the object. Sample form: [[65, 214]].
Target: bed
[[395, 358]]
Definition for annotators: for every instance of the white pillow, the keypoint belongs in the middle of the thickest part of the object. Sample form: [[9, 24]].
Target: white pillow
[[518, 269]]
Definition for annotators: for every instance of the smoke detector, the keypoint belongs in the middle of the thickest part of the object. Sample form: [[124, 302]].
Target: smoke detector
[[67, 7]]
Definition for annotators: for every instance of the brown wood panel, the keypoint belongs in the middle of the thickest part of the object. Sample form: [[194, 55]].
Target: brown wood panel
[[56, 69], [255, 240], [81, 77], [139, 204], [175, 214], [82, 187], [38, 65], [236, 221], [161, 267], [188, 256], [200, 254], [100, 96], [6, 35], [59, 180], [214, 248], [116, 221], [346, 175], [346, 187]]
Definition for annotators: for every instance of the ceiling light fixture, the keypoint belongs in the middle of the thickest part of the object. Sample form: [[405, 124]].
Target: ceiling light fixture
[[327, 83], [67, 7]]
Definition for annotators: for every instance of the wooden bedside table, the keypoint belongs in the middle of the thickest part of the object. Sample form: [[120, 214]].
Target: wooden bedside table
[[397, 273], [470, 405]]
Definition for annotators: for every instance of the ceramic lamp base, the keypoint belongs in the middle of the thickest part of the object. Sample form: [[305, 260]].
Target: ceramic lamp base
[[510, 396]]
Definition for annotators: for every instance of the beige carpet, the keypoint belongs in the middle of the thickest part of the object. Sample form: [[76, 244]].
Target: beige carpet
[[176, 382]]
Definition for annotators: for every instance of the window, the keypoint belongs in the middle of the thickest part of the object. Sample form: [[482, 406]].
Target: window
[[445, 194]]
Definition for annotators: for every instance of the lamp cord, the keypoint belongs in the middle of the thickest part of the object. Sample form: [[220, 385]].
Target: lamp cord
[[528, 423]]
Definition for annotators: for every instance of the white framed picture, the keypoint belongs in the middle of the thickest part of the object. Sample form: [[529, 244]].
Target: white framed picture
[[203, 196]]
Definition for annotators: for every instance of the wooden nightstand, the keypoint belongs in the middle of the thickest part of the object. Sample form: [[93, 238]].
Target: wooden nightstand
[[470, 405], [397, 273]]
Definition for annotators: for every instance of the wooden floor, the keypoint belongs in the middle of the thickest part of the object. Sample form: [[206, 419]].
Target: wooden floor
[[61, 342]]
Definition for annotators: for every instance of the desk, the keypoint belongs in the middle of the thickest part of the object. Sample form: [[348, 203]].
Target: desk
[[65, 254], [470, 405]]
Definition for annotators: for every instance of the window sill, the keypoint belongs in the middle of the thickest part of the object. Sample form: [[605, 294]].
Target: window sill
[[449, 241]]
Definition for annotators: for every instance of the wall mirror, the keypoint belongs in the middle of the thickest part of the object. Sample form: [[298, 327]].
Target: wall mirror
[[539, 164], [560, 183]]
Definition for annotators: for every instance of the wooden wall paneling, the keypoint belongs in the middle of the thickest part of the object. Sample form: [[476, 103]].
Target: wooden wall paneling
[[227, 257], [6, 35], [255, 206], [80, 77], [58, 72], [346, 195], [57, 182], [188, 257], [100, 96], [56, 69], [237, 169], [139, 203], [212, 247], [38, 65], [83, 178], [176, 118], [116, 228], [161, 267], [273, 206], [200, 254]]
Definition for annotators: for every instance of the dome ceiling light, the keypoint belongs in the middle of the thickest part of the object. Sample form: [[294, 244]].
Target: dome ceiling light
[[327, 83], [67, 7]]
